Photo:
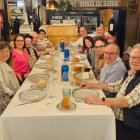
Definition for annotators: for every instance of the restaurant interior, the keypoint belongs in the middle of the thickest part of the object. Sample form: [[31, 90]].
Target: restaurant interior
[[55, 67]]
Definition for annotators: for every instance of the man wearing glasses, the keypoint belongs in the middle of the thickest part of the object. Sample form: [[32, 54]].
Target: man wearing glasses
[[126, 104], [113, 69], [100, 44]]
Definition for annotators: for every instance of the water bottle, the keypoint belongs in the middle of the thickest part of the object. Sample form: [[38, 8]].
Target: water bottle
[[65, 72], [62, 45], [66, 54]]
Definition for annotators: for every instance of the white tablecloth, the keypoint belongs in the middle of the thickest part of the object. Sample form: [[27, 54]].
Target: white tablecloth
[[43, 121]]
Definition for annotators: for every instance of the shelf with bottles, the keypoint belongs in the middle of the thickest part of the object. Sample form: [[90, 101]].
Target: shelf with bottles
[[12, 3], [15, 3], [15, 10]]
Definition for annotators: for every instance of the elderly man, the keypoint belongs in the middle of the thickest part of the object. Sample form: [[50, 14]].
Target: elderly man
[[126, 105], [113, 69]]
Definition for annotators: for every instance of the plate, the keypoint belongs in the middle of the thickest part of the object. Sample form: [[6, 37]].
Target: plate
[[35, 86], [45, 57], [36, 77], [83, 65], [81, 94], [41, 65], [80, 76], [82, 57], [32, 95], [73, 107]]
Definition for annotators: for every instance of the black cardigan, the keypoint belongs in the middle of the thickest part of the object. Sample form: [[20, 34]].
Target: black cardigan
[[132, 115]]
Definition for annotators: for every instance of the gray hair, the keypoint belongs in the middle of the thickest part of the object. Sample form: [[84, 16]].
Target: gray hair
[[136, 46]]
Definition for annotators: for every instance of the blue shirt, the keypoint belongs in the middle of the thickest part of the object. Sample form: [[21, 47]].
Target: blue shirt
[[112, 72]]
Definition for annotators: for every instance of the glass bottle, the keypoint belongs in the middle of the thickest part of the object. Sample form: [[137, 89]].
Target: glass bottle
[[36, 24], [101, 22], [16, 25], [62, 45], [12, 28], [111, 28]]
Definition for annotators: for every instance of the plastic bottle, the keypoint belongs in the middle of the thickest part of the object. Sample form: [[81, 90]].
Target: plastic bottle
[[65, 72], [66, 54]]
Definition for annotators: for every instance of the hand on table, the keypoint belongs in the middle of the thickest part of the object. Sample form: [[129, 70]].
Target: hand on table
[[93, 100], [86, 85]]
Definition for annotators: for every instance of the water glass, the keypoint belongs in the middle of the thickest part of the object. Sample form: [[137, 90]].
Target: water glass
[[66, 92]]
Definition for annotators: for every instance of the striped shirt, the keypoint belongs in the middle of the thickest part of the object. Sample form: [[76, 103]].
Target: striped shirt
[[133, 98]]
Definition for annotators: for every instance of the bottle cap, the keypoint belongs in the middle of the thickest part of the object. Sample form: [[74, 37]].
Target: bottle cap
[[65, 67]]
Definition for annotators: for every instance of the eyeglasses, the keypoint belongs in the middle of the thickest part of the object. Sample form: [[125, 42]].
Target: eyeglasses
[[101, 46], [3, 52], [42, 34], [111, 53], [134, 57], [19, 40]]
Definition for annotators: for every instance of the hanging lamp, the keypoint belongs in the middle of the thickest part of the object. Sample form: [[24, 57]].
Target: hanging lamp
[[52, 5]]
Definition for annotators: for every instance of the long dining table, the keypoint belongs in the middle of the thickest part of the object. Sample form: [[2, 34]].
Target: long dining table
[[43, 120]]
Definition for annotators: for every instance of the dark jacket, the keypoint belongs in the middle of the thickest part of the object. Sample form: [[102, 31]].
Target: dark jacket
[[132, 115]]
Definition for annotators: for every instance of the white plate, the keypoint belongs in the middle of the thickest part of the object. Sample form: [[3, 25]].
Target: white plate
[[32, 95], [83, 65], [82, 57], [41, 65], [36, 77], [79, 76], [73, 107], [45, 57], [35, 86], [81, 94]]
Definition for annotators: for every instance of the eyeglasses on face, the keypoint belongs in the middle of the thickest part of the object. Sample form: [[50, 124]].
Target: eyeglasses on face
[[134, 57], [101, 46], [20, 41], [3, 52], [42, 33], [110, 53]]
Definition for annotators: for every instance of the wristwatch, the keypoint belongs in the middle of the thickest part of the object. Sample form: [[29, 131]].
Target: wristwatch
[[103, 99]]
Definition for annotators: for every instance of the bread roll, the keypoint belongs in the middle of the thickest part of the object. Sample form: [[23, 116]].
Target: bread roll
[[76, 59], [77, 68], [41, 83]]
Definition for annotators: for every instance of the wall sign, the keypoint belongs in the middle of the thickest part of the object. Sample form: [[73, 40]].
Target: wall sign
[[133, 6], [98, 3]]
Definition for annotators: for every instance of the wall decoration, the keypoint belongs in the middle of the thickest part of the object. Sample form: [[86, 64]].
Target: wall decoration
[[133, 6]]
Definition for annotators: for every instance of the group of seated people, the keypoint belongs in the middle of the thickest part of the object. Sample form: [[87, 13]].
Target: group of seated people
[[121, 90], [17, 58]]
